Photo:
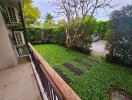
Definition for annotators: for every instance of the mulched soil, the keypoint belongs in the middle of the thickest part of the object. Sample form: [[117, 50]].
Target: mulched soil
[[116, 94], [64, 77], [74, 69], [88, 66]]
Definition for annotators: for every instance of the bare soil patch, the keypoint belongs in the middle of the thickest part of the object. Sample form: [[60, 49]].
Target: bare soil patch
[[64, 77], [73, 69], [116, 94], [88, 66]]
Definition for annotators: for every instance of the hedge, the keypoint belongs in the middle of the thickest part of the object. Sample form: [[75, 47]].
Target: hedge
[[42, 35]]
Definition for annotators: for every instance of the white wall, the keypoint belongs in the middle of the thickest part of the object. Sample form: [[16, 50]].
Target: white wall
[[7, 54]]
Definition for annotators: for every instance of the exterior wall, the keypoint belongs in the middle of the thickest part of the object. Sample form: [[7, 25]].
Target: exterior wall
[[8, 56]]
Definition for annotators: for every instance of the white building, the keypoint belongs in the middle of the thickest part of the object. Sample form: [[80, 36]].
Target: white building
[[11, 32]]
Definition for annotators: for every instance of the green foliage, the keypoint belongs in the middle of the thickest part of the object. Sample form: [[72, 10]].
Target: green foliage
[[34, 35], [49, 17], [94, 83], [90, 25], [56, 34], [87, 28], [59, 35], [31, 13], [108, 34], [120, 45], [90, 29], [46, 35], [49, 23], [102, 28], [84, 40]]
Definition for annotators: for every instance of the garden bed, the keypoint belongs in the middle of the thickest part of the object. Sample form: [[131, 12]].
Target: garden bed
[[88, 66], [64, 77], [93, 84], [73, 69]]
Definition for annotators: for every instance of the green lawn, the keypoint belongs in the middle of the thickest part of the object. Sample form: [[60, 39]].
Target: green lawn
[[94, 83]]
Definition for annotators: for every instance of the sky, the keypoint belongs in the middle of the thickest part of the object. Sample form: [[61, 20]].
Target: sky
[[45, 7]]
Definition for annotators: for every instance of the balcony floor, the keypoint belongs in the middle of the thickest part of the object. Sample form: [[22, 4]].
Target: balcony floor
[[18, 83]]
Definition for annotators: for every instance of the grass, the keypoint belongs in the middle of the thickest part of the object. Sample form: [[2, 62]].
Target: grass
[[94, 83]]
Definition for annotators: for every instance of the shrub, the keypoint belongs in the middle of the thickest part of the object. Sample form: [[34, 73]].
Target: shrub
[[57, 34], [46, 35], [120, 45], [34, 35], [102, 28]]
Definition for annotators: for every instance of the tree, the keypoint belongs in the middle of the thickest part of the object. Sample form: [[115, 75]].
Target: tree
[[49, 23], [49, 17], [84, 41], [120, 45], [102, 28], [72, 9], [31, 13]]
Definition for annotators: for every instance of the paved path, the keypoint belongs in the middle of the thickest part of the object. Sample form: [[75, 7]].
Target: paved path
[[99, 46]]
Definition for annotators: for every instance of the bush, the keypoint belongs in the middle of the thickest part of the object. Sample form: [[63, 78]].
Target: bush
[[34, 35], [57, 34], [46, 35], [54, 35], [120, 45], [102, 28]]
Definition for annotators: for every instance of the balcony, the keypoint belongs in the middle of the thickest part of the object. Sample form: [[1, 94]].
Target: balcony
[[18, 82], [33, 79]]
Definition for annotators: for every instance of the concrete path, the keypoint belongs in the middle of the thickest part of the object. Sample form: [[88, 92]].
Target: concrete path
[[99, 47], [18, 83]]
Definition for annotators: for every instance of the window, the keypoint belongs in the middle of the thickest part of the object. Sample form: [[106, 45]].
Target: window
[[19, 38], [12, 15]]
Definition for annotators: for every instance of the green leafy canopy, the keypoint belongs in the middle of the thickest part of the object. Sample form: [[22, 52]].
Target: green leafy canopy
[[31, 13]]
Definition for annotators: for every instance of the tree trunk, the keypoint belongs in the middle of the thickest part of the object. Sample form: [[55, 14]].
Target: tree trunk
[[68, 40], [75, 39]]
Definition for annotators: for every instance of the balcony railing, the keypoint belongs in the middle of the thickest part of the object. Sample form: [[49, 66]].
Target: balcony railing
[[54, 86]]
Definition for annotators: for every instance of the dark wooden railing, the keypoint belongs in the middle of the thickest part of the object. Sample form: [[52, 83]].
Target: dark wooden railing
[[54, 86]]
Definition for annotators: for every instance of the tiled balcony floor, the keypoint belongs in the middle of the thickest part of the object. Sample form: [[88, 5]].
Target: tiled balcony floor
[[18, 83]]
